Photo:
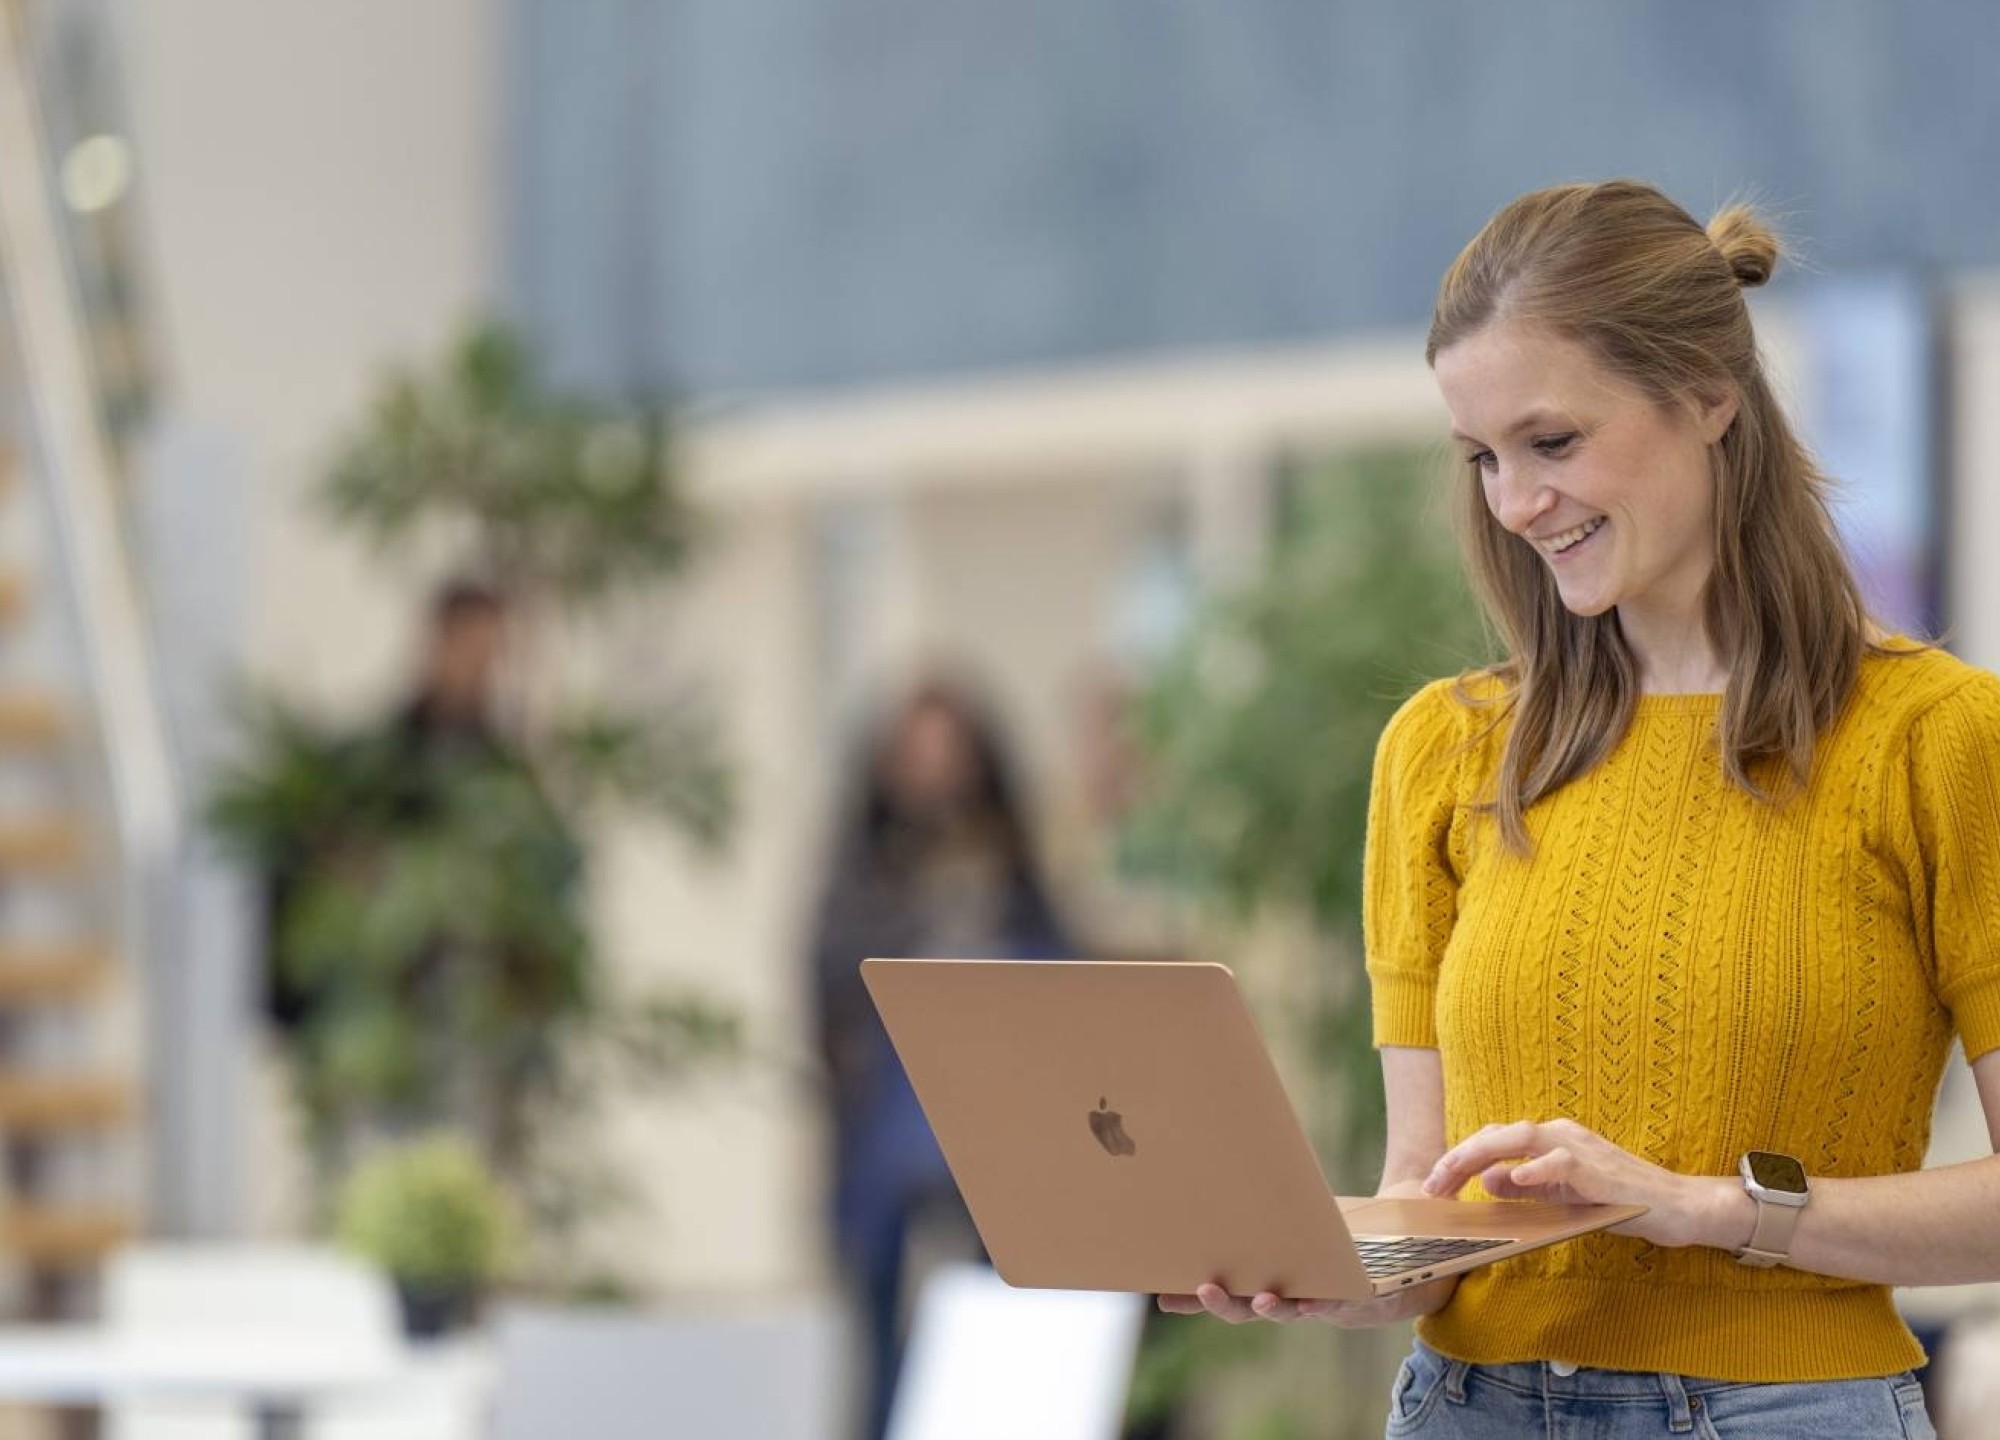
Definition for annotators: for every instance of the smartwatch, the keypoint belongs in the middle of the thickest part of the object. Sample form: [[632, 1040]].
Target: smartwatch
[[1778, 1184]]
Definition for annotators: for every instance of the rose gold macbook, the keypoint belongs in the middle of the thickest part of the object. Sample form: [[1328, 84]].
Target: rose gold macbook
[[1120, 1126]]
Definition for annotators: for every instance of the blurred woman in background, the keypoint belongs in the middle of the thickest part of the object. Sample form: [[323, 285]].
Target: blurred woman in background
[[933, 860]]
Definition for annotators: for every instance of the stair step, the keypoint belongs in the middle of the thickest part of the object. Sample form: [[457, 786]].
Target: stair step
[[28, 719], [45, 974], [52, 1104], [52, 1237], [47, 844]]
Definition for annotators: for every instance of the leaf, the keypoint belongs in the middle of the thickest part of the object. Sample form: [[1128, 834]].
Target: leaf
[[668, 762], [557, 495]]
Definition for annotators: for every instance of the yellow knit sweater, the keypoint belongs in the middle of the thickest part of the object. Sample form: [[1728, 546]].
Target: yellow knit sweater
[[1694, 974]]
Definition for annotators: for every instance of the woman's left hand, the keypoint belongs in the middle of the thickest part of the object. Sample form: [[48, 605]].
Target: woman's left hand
[[1563, 1162]]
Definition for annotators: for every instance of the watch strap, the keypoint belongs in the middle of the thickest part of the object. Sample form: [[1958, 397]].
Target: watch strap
[[1771, 1242]]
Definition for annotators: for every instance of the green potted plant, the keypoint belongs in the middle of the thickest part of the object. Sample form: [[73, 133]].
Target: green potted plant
[[432, 1214]]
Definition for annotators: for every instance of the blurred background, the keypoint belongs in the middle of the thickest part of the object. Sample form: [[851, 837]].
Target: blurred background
[[534, 534]]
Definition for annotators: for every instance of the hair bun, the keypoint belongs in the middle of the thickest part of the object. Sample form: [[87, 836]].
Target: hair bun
[[1746, 243]]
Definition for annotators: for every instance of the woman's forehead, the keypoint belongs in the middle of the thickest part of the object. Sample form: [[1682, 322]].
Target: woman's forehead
[[1509, 376]]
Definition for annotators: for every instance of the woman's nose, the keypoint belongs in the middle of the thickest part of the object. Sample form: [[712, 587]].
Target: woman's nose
[[1517, 501]]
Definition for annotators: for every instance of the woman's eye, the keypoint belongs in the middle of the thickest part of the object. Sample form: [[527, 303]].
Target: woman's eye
[[1555, 444], [1483, 460]]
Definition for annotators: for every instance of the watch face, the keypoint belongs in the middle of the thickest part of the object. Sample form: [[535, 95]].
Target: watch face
[[1777, 1172]]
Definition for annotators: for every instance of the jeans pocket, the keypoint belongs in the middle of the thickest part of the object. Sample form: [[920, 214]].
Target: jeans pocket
[[1916, 1415], [1419, 1380]]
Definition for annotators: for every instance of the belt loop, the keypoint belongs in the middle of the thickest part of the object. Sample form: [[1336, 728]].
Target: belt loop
[[1455, 1372], [1680, 1415]]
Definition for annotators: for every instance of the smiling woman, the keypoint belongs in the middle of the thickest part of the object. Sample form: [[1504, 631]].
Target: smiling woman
[[1598, 336], [1681, 903], [1589, 447]]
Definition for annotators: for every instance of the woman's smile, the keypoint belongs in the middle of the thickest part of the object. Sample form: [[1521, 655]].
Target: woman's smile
[[1559, 547]]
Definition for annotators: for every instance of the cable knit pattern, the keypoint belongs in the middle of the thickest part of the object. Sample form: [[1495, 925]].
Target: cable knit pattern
[[1694, 974]]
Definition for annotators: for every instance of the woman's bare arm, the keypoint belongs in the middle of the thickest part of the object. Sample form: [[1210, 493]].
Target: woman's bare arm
[[1929, 1227]]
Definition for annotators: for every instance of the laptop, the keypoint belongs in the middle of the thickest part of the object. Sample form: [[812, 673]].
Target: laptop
[[1119, 1125]]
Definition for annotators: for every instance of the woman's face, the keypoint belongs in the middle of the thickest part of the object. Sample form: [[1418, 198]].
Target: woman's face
[[931, 762], [1612, 489]]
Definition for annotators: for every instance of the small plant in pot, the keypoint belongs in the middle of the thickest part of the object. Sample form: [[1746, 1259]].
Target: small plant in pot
[[432, 1214]]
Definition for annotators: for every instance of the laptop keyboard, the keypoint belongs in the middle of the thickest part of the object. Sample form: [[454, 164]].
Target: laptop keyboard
[[1394, 1254]]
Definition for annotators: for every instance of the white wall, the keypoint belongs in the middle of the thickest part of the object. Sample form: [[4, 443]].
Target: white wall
[[319, 186], [728, 1169], [317, 195]]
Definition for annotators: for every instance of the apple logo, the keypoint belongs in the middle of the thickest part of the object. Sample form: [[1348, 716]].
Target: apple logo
[[1109, 1128]]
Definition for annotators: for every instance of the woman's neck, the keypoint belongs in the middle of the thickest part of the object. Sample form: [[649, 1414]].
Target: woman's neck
[[1672, 653]]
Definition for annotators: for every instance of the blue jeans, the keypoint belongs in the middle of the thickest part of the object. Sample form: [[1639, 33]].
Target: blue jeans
[[1439, 1399]]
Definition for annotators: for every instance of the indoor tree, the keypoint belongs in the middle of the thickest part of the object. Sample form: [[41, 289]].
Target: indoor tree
[[451, 975]]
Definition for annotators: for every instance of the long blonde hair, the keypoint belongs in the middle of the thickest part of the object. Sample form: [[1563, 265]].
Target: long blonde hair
[[1657, 299]]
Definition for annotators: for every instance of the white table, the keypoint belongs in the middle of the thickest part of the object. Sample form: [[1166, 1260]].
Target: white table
[[277, 1381]]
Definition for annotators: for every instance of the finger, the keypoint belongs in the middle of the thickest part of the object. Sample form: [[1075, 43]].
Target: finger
[[1505, 1182], [1180, 1304], [1519, 1134], [1551, 1169], [1275, 1307], [1498, 1181], [1347, 1314], [1495, 1142], [1224, 1306], [1476, 1152]]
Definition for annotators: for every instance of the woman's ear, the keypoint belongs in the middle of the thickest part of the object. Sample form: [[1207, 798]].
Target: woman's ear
[[1715, 414]]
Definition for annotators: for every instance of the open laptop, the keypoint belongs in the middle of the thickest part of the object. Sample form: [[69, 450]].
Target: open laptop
[[1120, 1126]]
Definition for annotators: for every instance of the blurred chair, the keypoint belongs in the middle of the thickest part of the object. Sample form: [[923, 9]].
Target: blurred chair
[[624, 1375], [989, 1362], [304, 1294]]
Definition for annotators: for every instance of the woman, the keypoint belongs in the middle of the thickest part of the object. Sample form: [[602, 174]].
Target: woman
[[935, 861], [1708, 865]]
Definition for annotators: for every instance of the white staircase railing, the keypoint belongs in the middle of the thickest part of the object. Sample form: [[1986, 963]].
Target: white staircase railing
[[76, 466]]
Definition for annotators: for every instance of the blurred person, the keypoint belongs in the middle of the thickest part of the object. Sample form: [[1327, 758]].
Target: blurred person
[[934, 859], [1679, 903], [452, 703], [445, 719]]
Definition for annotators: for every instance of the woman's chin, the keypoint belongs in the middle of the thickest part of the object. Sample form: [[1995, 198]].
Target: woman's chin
[[1584, 603]]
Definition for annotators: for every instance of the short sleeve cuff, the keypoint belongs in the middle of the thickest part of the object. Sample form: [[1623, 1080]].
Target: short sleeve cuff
[[1975, 1009], [1405, 1005]]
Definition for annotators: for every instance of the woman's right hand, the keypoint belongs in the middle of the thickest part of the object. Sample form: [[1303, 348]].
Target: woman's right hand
[[1413, 1084], [1347, 1314]]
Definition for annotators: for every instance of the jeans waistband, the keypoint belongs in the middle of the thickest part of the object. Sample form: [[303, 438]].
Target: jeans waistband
[[1553, 1380], [1553, 1377]]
